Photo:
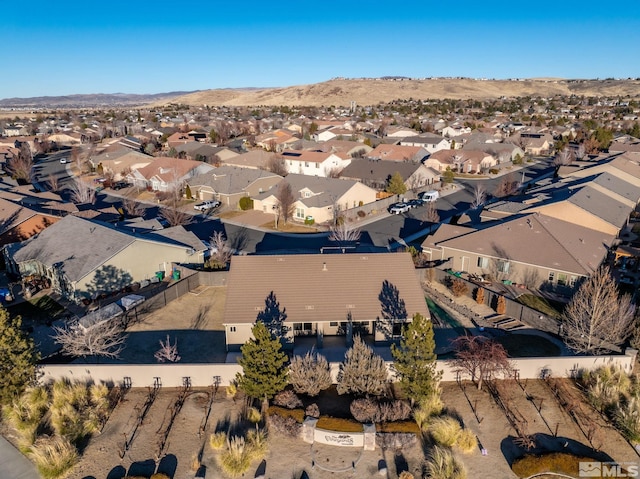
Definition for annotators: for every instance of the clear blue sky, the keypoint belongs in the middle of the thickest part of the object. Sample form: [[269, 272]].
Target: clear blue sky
[[59, 48]]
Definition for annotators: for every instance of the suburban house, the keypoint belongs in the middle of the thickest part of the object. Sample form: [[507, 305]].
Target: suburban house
[[464, 161], [276, 140], [178, 138], [427, 141], [533, 143], [502, 152], [321, 296], [120, 162], [166, 174], [228, 184], [400, 132], [19, 223], [15, 130], [350, 148], [84, 258], [377, 174], [315, 163], [388, 152], [319, 198], [252, 159], [198, 151], [510, 250], [455, 130]]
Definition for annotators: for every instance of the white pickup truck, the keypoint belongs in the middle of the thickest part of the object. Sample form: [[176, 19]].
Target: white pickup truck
[[206, 205]]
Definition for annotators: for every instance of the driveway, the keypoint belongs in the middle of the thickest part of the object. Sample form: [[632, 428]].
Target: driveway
[[13, 464]]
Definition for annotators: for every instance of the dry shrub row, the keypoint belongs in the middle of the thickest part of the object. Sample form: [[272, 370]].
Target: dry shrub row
[[288, 399], [556, 462], [370, 410]]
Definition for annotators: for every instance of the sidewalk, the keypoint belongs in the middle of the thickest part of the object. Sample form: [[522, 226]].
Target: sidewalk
[[13, 464]]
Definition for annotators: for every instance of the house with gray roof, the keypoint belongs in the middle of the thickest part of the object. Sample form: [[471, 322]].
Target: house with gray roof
[[84, 258], [377, 174], [318, 197], [321, 296], [228, 184], [529, 249]]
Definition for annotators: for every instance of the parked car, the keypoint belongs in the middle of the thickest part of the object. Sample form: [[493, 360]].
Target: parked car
[[64, 160], [206, 205], [398, 208], [118, 185], [415, 203]]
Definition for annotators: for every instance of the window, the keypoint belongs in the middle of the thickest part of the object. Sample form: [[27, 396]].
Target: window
[[572, 281], [299, 213], [317, 165], [307, 194], [297, 326], [552, 276], [397, 329], [562, 279], [503, 266], [306, 164], [307, 326], [333, 324], [483, 262], [232, 329]]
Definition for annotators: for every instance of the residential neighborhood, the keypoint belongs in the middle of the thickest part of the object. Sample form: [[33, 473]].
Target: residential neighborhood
[[328, 270]]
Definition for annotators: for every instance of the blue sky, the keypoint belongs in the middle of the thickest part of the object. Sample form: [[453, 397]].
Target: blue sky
[[60, 48]]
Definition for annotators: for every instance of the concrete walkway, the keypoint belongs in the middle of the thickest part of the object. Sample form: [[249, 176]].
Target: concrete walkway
[[13, 464]]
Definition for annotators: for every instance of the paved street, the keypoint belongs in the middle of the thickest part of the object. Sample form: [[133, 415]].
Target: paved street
[[13, 465]]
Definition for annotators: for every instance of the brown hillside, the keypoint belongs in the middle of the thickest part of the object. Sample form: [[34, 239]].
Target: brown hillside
[[371, 92]]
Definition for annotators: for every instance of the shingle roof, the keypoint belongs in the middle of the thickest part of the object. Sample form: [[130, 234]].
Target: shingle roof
[[320, 287], [230, 179], [601, 205]]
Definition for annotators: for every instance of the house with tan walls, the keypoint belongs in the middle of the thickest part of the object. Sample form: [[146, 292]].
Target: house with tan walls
[[321, 296], [315, 163], [319, 198]]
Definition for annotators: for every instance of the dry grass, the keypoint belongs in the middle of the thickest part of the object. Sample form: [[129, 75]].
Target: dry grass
[[236, 459], [54, 457], [558, 462], [371, 92], [217, 440], [445, 431], [467, 441], [442, 464]]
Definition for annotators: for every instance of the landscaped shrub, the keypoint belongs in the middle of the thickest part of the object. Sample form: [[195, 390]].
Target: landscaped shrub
[[501, 305], [467, 441], [236, 459], [557, 462], [159, 475], [445, 431], [427, 408], [398, 427], [245, 203], [257, 441], [338, 424], [217, 440], [286, 425], [254, 415], [53, 457], [25, 414], [458, 287], [406, 475], [395, 441], [361, 213], [398, 410], [232, 390], [288, 399], [479, 295], [364, 410], [310, 374], [443, 465], [312, 410], [627, 419], [494, 171], [605, 385]]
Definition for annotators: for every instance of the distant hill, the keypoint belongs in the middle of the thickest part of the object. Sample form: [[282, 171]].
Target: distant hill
[[91, 100], [341, 92]]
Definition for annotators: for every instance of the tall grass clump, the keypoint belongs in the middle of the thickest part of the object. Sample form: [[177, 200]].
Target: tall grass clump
[[627, 419], [236, 459], [254, 415], [442, 464], [605, 385], [53, 457], [25, 415], [217, 440], [257, 442], [445, 431], [427, 408], [467, 441]]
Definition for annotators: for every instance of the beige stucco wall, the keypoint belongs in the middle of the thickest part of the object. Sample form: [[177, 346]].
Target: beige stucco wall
[[142, 259], [203, 375]]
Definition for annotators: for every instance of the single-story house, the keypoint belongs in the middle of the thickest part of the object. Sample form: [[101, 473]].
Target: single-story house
[[510, 250], [388, 152], [377, 174], [322, 296], [196, 150], [19, 223], [318, 197], [121, 162], [228, 184], [166, 174], [464, 161], [84, 258]]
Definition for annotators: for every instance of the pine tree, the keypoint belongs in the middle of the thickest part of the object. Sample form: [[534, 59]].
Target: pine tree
[[415, 359], [396, 184], [363, 371], [264, 365], [18, 358]]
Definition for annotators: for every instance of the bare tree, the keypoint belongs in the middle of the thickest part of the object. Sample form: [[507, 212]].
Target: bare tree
[[103, 339], [581, 151], [562, 158], [132, 208], [19, 167], [167, 352], [479, 193], [597, 318], [506, 187], [81, 192], [277, 165], [481, 358], [174, 215], [53, 183], [221, 252], [343, 233], [285, 202], [431, 213]]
